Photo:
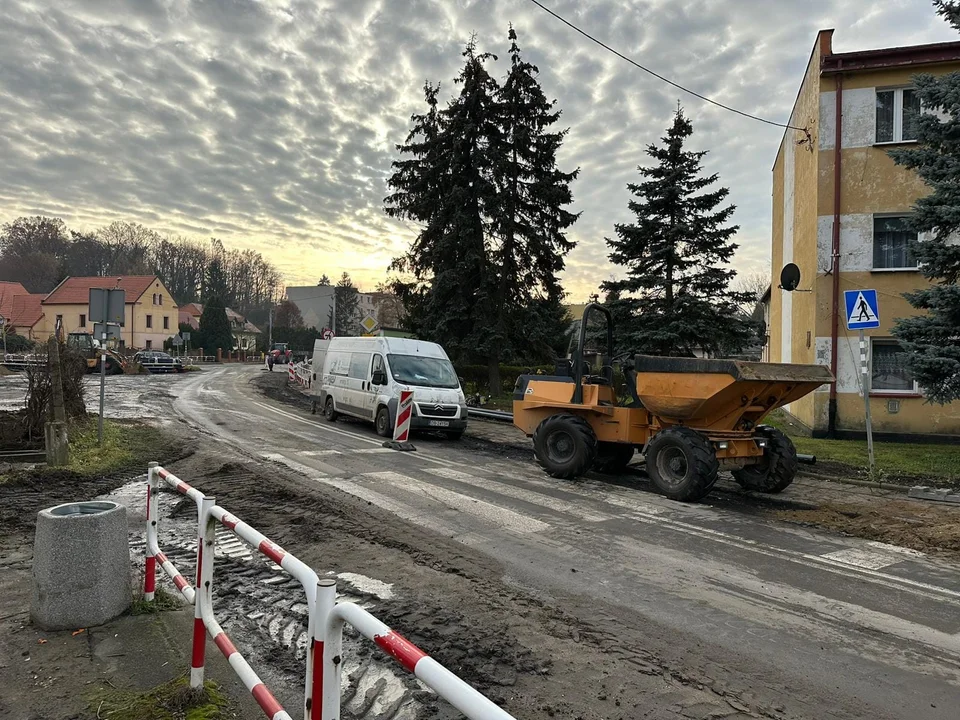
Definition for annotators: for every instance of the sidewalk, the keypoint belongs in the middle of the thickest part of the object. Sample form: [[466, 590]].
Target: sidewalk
[[56, 675]]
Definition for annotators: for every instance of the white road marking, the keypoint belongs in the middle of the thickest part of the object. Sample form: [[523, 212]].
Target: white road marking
[[371, 450], [495, 514], [863, 558], [293, 465], [895, 549], [400, 509], [320, 453], [529, 496]]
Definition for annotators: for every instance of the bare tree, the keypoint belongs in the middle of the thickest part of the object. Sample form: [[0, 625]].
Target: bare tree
[[754, 284]]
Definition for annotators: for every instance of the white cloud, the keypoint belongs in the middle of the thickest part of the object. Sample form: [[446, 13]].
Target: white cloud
[[272, 124]]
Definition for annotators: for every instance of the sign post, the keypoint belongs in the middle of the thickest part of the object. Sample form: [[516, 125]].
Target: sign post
[[3, 329], [863, 313], [106, 308]]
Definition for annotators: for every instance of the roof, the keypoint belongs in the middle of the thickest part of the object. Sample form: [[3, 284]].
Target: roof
[[191, 311], [76, 290], [26, 310], [8, 291], [885, 58]]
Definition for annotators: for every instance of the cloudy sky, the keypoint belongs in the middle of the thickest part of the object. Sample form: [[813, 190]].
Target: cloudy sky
[[272, 123]]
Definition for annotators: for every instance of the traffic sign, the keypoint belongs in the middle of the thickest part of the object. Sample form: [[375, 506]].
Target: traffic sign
[[185, 336], [177, 341], [369, 323], [863, 310], [106, 306], [327, 334]]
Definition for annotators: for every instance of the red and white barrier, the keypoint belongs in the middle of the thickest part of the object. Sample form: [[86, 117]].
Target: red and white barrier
[[431, 673], [401, 431], [291, 371], [326, 618]]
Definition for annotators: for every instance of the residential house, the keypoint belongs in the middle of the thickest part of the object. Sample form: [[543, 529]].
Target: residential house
[[20, 310], [150, 316], [245, 333], [839, 203]]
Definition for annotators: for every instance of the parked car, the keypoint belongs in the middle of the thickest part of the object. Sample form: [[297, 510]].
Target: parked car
[[156, 361], [363, 377]]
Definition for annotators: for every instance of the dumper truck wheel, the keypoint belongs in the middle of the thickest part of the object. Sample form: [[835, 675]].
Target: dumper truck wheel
[[777, 468], [682, 464], [565, 446], [612, 457]]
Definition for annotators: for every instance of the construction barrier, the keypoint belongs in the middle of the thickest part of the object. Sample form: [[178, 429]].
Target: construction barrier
[[326, 618], [401, 431]]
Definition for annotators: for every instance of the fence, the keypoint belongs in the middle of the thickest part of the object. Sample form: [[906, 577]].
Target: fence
[[302, 373], [326, 618]]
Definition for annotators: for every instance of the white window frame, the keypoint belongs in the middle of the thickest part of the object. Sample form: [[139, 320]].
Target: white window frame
[[885, 391], [873, 239], [897, 116]]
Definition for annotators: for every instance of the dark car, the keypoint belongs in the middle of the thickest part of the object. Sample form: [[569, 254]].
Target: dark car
[[156, 361]]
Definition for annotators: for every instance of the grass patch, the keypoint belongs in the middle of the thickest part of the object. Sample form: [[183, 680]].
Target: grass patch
[[123, 445], [895, 461], [174, 700], [163, 601]]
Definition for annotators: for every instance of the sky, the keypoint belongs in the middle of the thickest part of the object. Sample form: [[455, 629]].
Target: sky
[[272, 124]]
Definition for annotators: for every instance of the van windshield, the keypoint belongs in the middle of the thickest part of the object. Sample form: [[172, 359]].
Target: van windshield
[[423, 371]]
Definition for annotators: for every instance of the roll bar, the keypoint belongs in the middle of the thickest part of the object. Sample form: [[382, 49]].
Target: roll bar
[[578, 362]]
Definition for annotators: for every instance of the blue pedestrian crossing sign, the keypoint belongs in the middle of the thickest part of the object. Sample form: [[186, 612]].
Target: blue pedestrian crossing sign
[[863, 311]]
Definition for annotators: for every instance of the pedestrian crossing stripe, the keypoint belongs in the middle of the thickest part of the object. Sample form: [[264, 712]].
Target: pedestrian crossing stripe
[[863, 310]]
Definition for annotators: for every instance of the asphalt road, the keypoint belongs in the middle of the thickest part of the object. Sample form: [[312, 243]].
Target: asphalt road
[[811, 624]]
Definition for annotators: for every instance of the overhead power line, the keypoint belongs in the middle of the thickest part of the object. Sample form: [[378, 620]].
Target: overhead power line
[[661, 77]]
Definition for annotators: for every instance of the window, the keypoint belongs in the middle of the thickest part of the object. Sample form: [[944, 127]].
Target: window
[[897, 114], [891, 244], [166, 322], [160, 299], [154, 298], [83, 321], [149, 321], [149, 342], [359, 362], [888, 372]]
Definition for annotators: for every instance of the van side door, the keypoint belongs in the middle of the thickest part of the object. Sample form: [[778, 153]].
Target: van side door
[[377, 366], [358, 381]]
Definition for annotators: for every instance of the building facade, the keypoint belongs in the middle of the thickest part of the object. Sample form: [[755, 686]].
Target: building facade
[[839, 204], [245, 333], [150, 315]]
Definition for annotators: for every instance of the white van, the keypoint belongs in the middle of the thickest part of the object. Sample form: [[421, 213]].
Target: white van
[[362, 377]]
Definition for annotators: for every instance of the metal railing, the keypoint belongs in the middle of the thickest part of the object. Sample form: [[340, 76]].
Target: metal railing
[[326, 618]]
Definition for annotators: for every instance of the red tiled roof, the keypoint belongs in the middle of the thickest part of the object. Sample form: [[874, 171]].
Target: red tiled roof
[[8, 291], [76, 290], [26, 311], [192, 309], [186, 318]]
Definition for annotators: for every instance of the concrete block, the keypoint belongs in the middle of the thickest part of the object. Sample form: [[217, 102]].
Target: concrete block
[[922, 492], [57, 444], [81, 565]]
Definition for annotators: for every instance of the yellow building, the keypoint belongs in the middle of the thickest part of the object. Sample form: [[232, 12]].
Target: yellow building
[[838, 205], [150, 318]]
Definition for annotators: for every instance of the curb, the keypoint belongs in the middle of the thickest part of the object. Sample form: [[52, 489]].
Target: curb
[[893, 487]]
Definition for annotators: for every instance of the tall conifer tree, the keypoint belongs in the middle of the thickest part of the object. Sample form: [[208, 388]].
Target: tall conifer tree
[[676, 297]]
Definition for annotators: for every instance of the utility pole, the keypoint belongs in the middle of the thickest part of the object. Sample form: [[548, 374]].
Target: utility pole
[[270, 332]]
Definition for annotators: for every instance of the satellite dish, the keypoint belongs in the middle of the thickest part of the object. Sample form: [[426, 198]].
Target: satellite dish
[[789, 277]]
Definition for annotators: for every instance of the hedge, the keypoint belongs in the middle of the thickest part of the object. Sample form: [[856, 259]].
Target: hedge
[[476, 378]]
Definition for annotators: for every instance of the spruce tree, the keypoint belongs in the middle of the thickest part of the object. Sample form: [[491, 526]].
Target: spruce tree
[[931, 341], [676, 297], [215, 329], [447, 186], [529, 219], [347, 307]]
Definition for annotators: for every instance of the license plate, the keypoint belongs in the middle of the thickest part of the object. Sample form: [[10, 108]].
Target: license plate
[[439, 423]]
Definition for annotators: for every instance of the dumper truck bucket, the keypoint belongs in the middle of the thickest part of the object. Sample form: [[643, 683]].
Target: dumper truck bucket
[[721, 395]]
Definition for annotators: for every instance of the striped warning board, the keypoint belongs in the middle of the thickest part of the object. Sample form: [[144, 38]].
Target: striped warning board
[[401, 431]]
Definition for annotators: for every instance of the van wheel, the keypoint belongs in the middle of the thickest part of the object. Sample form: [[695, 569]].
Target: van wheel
[[329, 413], [565, 446], [682, 464], [453, 434], [383, 422]]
